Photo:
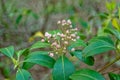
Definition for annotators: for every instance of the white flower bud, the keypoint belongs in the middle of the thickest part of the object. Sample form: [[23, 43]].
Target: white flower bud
[[73, 49], [73, 35], [67, 31], [68, 21], [66, 42], [70, 26], [58, 22], [58, 34], [78, 37], [74, 39]]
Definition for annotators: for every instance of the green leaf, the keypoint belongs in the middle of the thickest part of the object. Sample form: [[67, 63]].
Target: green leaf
[[113, 76], [83, 23], [28, 65], [8, 51], [39, 44], [20, 52], [63, 68], [110, 5], [41, 59], [97, 47], [113, 31], [77, 43], [23, 75], [19, 18], [102, 38], [86, 74], [88, 60]]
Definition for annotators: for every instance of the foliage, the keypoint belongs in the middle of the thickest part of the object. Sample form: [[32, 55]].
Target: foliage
[[56, 47]]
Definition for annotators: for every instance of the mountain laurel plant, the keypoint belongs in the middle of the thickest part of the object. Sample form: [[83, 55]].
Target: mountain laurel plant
[[61, 44]]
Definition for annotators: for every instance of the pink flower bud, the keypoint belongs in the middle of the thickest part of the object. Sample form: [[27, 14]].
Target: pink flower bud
[[62, 35], [58, 46], [76, 29], [63, 21], [51, 54], [48, 35], [54, 44], [42, 40]]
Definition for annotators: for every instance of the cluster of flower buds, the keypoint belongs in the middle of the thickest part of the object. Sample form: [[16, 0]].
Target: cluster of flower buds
[[61, 40]]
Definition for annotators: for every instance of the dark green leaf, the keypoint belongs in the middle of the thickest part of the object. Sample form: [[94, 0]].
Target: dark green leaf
[[19, 18], [63, 68], [88, 60], [23, 75], [39, 44], [8, 51], [113, 76], [97, 47], [28, 65], [113, 31], [20, 52], [41, 59], [86, 74]]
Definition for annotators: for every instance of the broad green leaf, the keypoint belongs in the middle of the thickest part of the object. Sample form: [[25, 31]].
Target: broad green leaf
[[41, 59], [63, 68], [8, 51], [97, 47], [115, 32], [39, 44], [77, 43], [113, 76], [23, 75], [103, 38], [28, 65], [86, 74], [88, 60]]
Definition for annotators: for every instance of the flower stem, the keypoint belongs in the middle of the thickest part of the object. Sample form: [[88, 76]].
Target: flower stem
[[109, 64]]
